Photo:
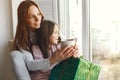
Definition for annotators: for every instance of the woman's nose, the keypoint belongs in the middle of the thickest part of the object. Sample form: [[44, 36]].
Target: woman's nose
[[37, 18]]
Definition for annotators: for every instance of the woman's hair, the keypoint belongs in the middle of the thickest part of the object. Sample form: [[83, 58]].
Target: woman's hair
[[22, 39], [43, 33]]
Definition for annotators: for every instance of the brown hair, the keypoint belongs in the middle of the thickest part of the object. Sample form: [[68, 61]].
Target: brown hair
[[22, 33], [43, 33]]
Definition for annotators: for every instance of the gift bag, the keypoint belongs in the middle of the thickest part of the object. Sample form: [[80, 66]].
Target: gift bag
[[75, 69], [87, 70]]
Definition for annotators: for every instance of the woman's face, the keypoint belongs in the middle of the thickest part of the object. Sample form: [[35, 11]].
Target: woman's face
[[53, 39], [34, 17]]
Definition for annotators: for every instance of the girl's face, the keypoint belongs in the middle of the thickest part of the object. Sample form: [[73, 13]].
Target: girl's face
[[53, 39], [33, 18]]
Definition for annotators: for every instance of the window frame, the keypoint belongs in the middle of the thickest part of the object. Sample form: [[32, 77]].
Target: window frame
[[86, 44], [64, 22], [63, 17]]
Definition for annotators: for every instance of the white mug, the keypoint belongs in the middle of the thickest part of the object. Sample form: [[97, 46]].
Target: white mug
[[69, 42]]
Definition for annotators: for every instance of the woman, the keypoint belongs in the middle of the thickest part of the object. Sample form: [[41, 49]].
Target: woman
[[29, 19]]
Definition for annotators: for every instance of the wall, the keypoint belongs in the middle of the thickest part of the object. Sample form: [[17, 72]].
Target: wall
[[7, 31], [6, 68]]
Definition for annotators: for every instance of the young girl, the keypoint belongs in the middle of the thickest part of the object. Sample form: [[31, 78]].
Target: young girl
[[47, 43]]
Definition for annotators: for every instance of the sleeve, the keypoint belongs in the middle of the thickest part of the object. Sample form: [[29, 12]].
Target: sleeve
[[41, 64]]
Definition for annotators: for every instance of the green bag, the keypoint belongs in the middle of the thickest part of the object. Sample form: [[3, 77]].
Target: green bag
[[75, 69], [87, 70]]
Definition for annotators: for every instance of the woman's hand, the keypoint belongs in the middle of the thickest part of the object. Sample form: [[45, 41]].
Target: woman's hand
[[62, 54]]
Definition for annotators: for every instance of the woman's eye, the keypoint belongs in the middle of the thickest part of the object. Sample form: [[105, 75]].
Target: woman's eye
[[30, 16], [39, 13]]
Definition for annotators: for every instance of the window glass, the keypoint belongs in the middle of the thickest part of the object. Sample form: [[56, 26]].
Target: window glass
[[75, 12], [105, 36]]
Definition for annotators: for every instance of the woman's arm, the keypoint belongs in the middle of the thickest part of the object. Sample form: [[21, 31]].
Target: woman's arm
[[47, 64], [41, 64]]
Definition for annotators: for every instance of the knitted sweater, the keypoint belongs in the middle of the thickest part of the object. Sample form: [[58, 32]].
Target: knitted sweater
[[38, 67]]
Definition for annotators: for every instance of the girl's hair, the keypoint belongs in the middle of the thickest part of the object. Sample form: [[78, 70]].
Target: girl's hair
[[22, 39], [43, 33]]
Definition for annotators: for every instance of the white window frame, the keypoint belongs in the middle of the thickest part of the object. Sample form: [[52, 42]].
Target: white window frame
[[64, 22], [63, 17], [86, 44], [14, 5]]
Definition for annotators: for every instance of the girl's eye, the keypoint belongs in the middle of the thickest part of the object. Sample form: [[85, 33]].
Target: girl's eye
[[56, 32]]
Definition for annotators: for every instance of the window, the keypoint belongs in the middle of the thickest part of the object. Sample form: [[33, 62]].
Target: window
[[49, 9], [75, 18], [100, 33], [70, 18], [105, 37]]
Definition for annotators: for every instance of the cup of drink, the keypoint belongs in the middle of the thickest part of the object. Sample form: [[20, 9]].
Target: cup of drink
[[69, 42]]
